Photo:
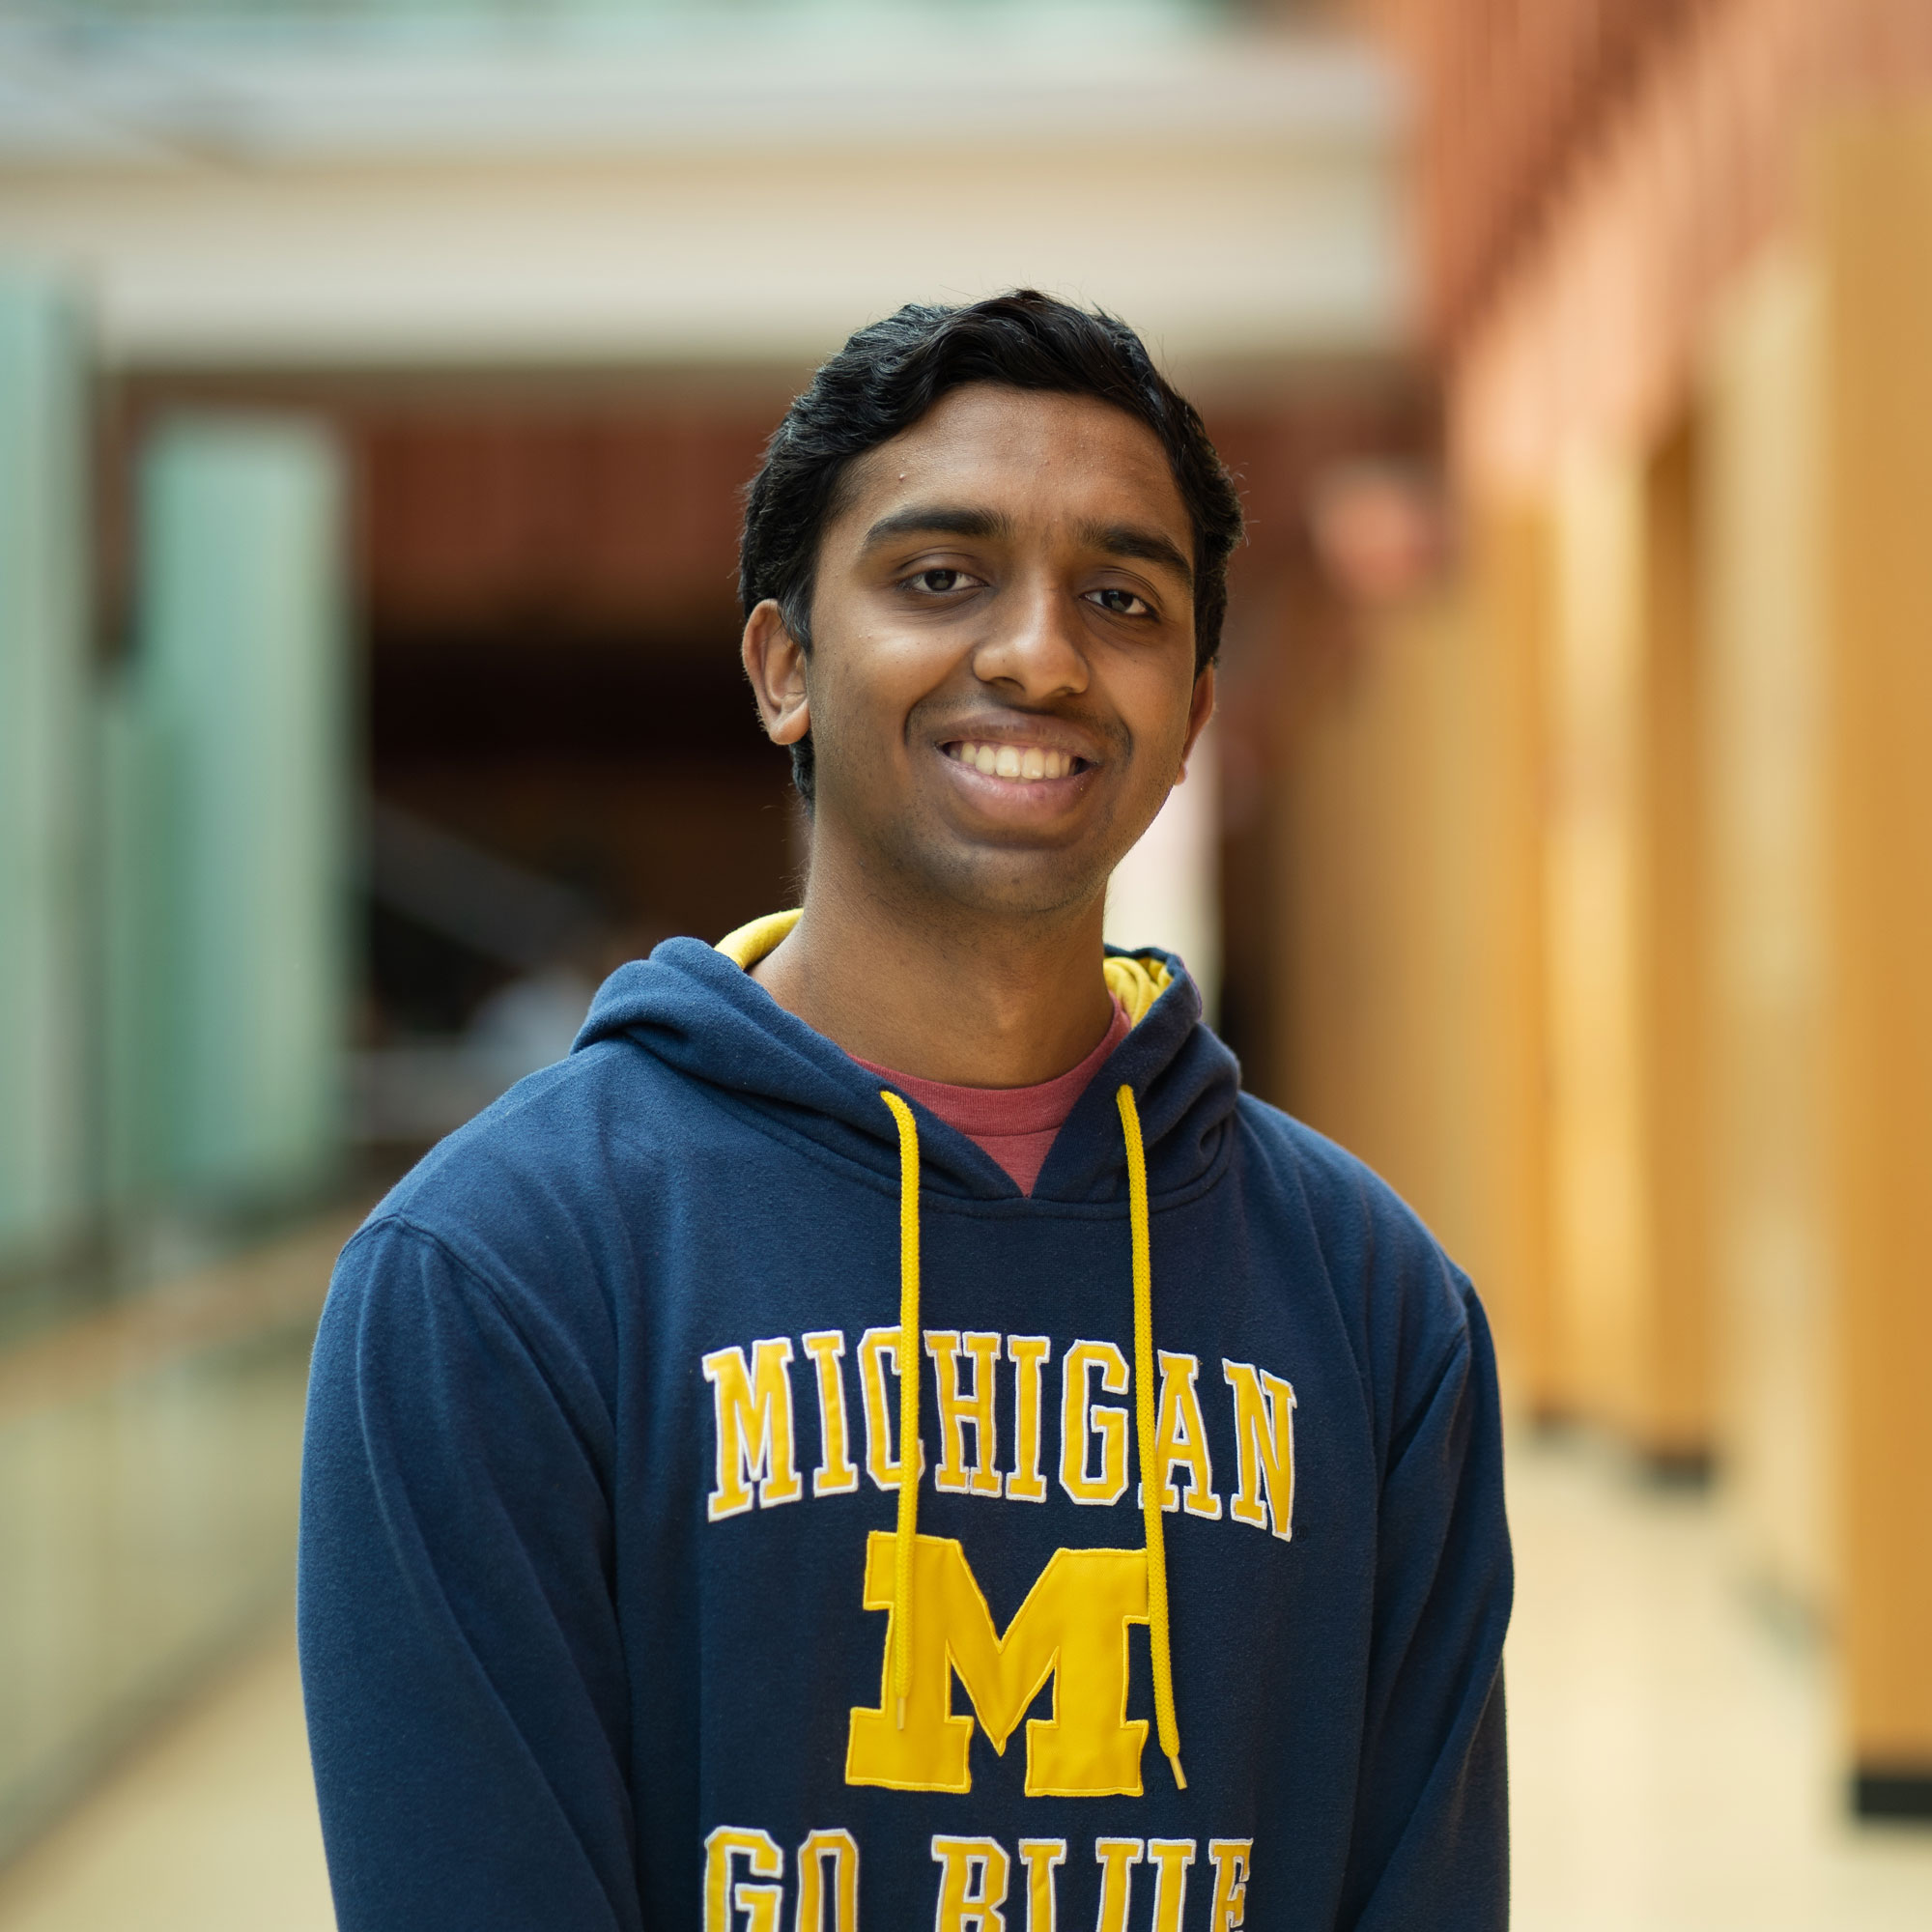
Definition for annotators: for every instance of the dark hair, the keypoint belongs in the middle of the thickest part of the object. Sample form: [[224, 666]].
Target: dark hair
[[890, 373]]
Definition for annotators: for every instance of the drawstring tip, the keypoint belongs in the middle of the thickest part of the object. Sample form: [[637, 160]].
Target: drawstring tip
[[1180, 1777], [901, 1713]]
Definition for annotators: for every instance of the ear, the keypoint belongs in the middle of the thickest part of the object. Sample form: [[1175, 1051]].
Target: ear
[[775, 661], [1200, 708]]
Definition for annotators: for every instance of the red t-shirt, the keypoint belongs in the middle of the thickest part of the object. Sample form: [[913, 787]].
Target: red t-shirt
[[1015, 1125]]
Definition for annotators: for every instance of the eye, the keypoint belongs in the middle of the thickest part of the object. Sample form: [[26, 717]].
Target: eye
[[941, 580], [1119, 603]]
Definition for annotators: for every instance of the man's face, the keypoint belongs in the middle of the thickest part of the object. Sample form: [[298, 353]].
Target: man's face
[[1001, 689]]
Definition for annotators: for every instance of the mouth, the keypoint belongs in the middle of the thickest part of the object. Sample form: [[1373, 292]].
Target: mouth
[[1017, 763]]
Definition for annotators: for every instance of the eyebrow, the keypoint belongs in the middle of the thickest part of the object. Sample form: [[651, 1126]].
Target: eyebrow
[[1124, 540], [1136, 541], [938, 520]]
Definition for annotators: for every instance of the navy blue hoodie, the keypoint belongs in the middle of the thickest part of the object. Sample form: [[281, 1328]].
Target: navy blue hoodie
[[611, 1615]]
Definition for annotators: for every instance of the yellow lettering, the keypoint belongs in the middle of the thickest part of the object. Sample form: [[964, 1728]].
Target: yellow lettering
[[1024, 1482], [1073, 1627], [1170, 1858], [973, 1878], [876, 1347], [841, 1849], [1117, 1859], [723, 1901], [754, 1415], [961, 1409], [1181, 1439], [1231, 1857], [836, 1474], [1040, 1856], [1081, 1417], [1265, 1438]]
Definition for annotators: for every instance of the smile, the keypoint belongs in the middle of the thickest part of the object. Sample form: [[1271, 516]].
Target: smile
[[1018, 763]]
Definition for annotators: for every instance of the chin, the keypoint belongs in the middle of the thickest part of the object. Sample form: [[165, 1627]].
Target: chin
[[1000, 872], [1006, 885]]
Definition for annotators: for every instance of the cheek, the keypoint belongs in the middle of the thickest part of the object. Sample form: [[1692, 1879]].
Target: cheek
[[869, 682], [862, 691], [1156, 706]]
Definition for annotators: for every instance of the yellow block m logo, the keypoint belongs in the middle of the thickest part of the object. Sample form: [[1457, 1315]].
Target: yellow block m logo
[[1072, 1628]]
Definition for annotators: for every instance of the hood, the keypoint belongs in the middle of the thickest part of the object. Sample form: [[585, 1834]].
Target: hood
[[692, 1008]]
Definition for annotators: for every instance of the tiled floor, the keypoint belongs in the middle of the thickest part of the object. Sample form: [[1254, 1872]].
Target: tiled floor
[[1673, 1770], [1673, 1762]]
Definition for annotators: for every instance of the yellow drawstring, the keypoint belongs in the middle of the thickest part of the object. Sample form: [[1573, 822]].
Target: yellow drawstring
[[909, 1457], [1154, 1477]]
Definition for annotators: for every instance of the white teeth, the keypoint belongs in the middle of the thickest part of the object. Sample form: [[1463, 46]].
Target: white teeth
[[1011, 761]]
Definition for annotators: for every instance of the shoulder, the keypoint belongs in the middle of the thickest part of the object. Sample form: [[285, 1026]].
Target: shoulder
[[1353, 1209], [504, 1244], [554, 1147], [532, 1203], [1410, 1311]]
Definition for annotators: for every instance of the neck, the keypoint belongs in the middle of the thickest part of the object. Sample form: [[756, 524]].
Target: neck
[[938, 991]]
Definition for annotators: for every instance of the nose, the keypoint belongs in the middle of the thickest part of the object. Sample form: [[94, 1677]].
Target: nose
[[1036, 650]]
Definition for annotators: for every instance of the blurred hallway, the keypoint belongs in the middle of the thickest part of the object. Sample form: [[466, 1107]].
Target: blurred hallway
[[1673, 1763], [1565, 851], [210, 1829]]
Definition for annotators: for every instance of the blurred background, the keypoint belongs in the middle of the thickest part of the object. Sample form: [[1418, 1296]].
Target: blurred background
[[376, 380]]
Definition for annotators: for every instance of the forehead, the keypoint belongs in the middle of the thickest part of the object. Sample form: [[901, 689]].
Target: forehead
[[1039, 457]]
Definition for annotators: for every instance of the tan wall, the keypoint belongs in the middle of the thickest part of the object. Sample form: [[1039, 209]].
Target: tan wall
[[1410, 878], [1761, 496], [1496, 869], [1592, 876], [1677, 1397], [1373, 860], [1715, 394], [1872, 211], [1630, 1293], [1509, 597], [1493, 868]]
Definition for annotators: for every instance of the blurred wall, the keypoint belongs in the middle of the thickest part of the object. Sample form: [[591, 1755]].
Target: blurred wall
[[44, 778], [1871, 216], [1764, 494], [1678, 287], [1410, 880]]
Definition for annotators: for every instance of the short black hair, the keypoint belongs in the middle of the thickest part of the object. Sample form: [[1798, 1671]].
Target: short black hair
[[890, 373]]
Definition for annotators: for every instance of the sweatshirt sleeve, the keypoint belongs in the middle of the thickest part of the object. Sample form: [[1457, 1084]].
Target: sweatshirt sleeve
[[1431, 1843], [462, 1667]]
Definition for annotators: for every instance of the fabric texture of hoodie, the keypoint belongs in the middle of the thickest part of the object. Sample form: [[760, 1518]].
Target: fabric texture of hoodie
[[613, 1614]]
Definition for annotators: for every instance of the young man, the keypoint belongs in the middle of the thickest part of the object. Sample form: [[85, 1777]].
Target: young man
[[887, 1433]]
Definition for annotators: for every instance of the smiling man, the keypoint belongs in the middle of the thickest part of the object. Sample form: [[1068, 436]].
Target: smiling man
[[887, 1433]]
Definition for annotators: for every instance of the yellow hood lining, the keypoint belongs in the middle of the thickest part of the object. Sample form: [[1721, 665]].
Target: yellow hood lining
[[1136, 979]]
